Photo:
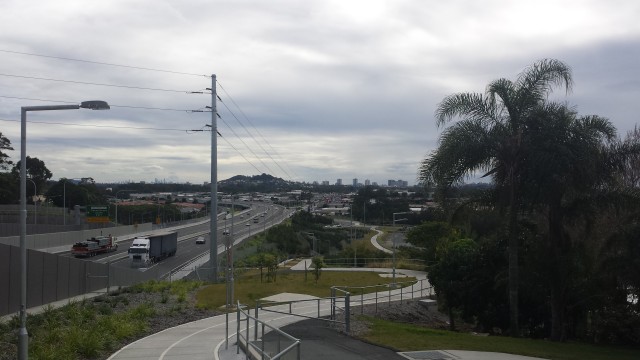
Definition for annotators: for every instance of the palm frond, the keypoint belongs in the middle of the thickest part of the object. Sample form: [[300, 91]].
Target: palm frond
[[464, 148], [471, 106], [537, 80]]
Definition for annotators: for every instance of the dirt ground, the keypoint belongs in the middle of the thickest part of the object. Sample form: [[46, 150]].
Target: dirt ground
[[408, 311]]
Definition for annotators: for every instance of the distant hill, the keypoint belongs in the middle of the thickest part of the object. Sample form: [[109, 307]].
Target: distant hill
[[255, 183]]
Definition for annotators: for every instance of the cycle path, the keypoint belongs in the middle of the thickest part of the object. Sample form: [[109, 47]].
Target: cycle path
[[207, 338]]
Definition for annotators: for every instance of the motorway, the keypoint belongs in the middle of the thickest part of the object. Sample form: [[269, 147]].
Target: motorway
[[240, 227]]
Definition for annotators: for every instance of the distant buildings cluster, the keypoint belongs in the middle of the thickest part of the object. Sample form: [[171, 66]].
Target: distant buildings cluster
[[356, 184]]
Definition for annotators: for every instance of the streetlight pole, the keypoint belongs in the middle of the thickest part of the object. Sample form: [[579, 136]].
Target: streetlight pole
[[394, 243], [23, 335]]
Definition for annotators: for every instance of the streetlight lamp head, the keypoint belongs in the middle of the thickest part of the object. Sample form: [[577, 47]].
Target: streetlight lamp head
[[95, 105]]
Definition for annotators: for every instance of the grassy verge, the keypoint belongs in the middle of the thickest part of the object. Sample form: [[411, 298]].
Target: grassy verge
[[249, 288], [406, 337]]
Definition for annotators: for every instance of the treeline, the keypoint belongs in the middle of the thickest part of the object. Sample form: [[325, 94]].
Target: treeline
[[552, 249]]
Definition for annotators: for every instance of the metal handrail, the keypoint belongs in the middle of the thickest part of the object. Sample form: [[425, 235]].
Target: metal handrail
[[260, 349], [395, 291], [260, 305]]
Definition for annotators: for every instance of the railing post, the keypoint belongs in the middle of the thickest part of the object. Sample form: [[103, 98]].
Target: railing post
[[238, 330], [333, 303], [262, 345], [401, 294], [347, 313], [255, 327], [279, 347], [246, 346], [290, 307], [376, 302], [362, 301], [318, 307]]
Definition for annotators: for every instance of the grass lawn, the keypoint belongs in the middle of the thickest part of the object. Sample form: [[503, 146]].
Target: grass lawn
[[248, 287], [405, 337]]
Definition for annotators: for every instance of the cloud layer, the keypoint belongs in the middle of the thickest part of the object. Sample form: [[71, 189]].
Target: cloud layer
[[310, 90]]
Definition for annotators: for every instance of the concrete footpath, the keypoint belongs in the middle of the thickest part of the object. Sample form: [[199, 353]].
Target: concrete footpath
[[207, 338]]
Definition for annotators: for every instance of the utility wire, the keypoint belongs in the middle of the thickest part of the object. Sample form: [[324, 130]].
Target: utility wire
[[257, 131], [95, 84], [245, 144], [101, 63], [112, 105], [104, 126], [234, 148], [251, 135]]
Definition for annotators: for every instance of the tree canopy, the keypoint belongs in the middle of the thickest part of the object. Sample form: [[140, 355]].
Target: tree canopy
[[564, 188]]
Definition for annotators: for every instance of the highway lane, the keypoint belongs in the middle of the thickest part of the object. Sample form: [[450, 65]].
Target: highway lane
[[240, 226]]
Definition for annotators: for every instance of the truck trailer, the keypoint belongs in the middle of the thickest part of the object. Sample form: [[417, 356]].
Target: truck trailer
[[94, 246], [149, 249]]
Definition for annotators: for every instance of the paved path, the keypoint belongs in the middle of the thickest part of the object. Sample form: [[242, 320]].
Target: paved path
[[374, 241], [207, 338]]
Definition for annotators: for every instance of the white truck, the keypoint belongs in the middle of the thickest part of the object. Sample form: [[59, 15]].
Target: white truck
[[148, 249]]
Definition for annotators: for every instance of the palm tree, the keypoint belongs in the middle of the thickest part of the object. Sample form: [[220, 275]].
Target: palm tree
[[569, 162], [489, 138]]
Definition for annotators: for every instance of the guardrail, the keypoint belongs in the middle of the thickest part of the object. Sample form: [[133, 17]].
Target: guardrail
[[386, 292], [375, 294], [334, 305], [245, 340], [372, 262]]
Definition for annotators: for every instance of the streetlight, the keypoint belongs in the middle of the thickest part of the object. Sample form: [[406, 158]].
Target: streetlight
[[394, 243], [23, 336]]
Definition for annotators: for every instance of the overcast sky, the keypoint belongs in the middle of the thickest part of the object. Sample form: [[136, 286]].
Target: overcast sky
[[311, 90]]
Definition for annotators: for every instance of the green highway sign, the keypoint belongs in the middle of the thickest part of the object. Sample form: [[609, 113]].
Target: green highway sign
[[97, 211]]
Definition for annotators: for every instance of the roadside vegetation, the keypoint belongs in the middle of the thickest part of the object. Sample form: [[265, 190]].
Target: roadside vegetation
[[95, 327]]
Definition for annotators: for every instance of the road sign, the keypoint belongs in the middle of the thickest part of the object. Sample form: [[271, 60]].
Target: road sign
[[97, 213]]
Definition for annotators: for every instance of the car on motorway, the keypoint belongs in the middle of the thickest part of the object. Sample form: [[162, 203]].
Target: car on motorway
[[247, 224], [200, 240], [225, 232]]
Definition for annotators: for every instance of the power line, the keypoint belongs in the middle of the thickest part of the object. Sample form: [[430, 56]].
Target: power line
[[257, 131], [102, 63], [106, 126], [112, 105], [245, 144], [234, 148], [95, 84]]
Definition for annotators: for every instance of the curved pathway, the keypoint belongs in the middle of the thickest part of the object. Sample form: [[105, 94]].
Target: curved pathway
[[206, 338], [374, 241]]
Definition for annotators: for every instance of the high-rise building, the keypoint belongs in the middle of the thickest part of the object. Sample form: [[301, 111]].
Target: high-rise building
[[367, 182], [397, 183], [355, 182], [325, 182], [339, 182]]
